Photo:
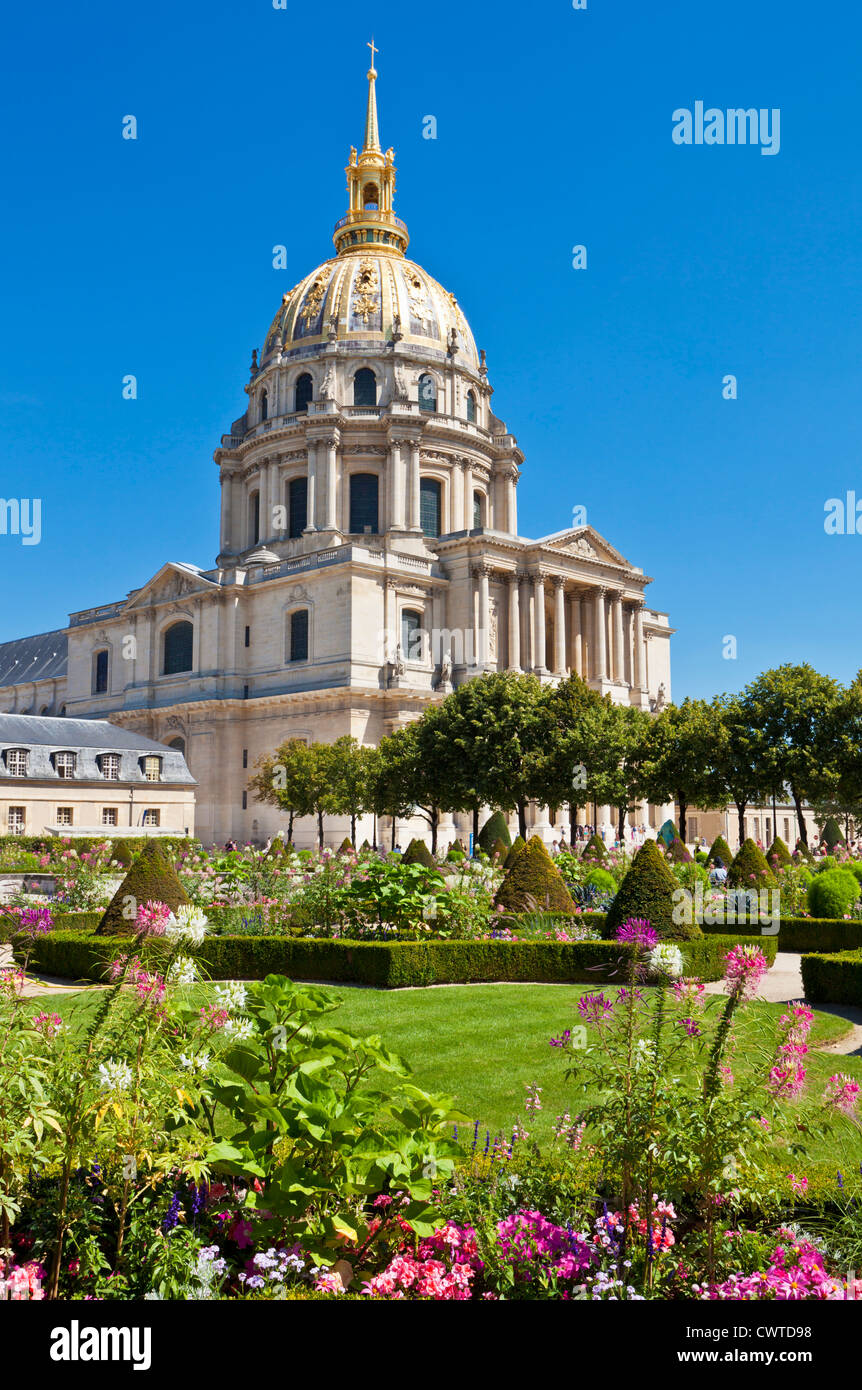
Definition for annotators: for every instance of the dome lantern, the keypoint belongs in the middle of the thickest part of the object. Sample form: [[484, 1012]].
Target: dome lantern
[[370, 219]]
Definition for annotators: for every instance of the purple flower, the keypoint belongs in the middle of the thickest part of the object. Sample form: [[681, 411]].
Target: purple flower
[[172, 1215], [638, 931], [594, 1008]]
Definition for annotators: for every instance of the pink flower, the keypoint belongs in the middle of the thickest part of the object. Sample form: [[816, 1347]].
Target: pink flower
[[842, 1092], [745, 967]]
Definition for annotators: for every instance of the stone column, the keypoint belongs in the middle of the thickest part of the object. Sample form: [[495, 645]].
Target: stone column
[[600, 645], [456, 498], [511, 522], [413, 487], [468, 494], [514, 663], [275, 499], [396, 485], [619, 665], [638, 678], [328, 489], [577, 634], [311, 520], [481, 644], [559, 625], [539, 624], [225, 528]]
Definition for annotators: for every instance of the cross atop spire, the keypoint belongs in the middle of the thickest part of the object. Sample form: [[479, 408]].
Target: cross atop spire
[[370, 218], [373, 49], [372, 139]]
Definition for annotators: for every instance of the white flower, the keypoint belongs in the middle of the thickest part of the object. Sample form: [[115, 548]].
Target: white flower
[[188, 923], [183, 971], [195, 1063], [239, 1029], [114, 1076], [231, 996], [666, 959]]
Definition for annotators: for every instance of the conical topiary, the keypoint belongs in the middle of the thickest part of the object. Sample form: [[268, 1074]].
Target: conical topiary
[[647, 892], [276, 848], [417, 852], [720, 850], [494, 829], [778, 856], [594, 848], [499, 852], [678, 851], [346, 846], [534, 883], [832, 835], [517, 845], [151, 878], [749, 869], [364, 847], [802, 852]]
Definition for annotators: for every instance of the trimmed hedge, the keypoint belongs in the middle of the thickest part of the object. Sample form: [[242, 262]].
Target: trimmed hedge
[[833, 979], [720, 850], [807, 933], [750, 869], [152, 878], [75, 955]]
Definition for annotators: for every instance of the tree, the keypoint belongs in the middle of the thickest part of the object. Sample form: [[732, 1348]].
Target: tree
[[296, 778], [794, 708], [390, 773], [571, 761], [351, 768], [679, 759], [739, 758]]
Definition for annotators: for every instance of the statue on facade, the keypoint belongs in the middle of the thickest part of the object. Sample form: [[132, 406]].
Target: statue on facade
[[660, 699], [327, 390], [446, 670]]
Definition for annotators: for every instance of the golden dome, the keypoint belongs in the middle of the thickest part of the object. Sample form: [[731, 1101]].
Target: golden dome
[[362, 296]]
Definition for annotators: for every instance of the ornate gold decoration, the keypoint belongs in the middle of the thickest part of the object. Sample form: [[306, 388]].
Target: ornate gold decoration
[[418, 297], [311, 308], [366, 296]]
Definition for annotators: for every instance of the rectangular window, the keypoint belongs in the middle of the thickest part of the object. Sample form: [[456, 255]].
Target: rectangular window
[[245, 757], [297, 507], [16, 762], [245, 692], [248, 637], [245, 801], [109, 815], [152, 769], [100, 674], [430, 506], [110, 765], [16, 820], [299, 635], [152, 818], [64, 815], [65, 764]]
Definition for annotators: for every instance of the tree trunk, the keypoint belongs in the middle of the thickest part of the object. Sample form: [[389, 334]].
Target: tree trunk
[[803, 829], [320, 830], [740, 833], [435, 820], [353, 829], [522, 818], [573, 816], [290, 829], [683, 810], [475, 828], [622, 825], [393, 832]]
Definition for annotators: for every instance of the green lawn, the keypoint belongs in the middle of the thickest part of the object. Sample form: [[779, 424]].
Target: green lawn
[[482, 1044]]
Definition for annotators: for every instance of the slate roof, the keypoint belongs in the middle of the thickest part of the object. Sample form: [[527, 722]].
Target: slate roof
[[72, 733], [33, 658]]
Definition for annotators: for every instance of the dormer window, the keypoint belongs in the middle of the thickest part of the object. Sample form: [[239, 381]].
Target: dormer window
[[151, 766], [17, 762], [110, 766], [65, 764]]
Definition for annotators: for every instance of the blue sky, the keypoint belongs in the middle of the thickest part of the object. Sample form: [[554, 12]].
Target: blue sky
[[154, 257]]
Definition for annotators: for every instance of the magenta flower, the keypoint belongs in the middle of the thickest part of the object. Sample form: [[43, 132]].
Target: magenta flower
[[745, 967], [638, 931], [842, 1092], [594, 1008]]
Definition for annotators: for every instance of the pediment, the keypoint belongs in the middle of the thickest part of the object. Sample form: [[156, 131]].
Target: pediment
[[583, 543], [172, 582]]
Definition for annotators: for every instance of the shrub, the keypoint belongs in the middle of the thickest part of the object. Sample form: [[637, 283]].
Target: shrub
[[594, 848], [601, 880], [517, 845], [494, 829], [720, 849], [346, 846], [647, 891], [833, 979], [151, 878], [778, 856], [854, 866], [417, 852], [802, 852], [678, 851], [750, 869], [534, 881], [833, 893], [832, 834], [808, 933], [74, 955]]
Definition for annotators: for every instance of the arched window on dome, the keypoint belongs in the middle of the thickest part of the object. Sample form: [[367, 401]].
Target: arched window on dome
[[370, 196], [411, 634], [178, 647], [363, 504], [264, 405], [254, 518], [478, 510], [471, 407], [427, 393], [304, 392], [297, 507], [179, 744], [430, 506], [365, 387]]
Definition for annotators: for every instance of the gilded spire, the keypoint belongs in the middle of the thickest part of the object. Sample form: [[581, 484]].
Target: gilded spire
[[370, 218], [372, 138]]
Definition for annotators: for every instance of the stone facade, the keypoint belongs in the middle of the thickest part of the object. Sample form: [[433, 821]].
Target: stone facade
[[369, 558]]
